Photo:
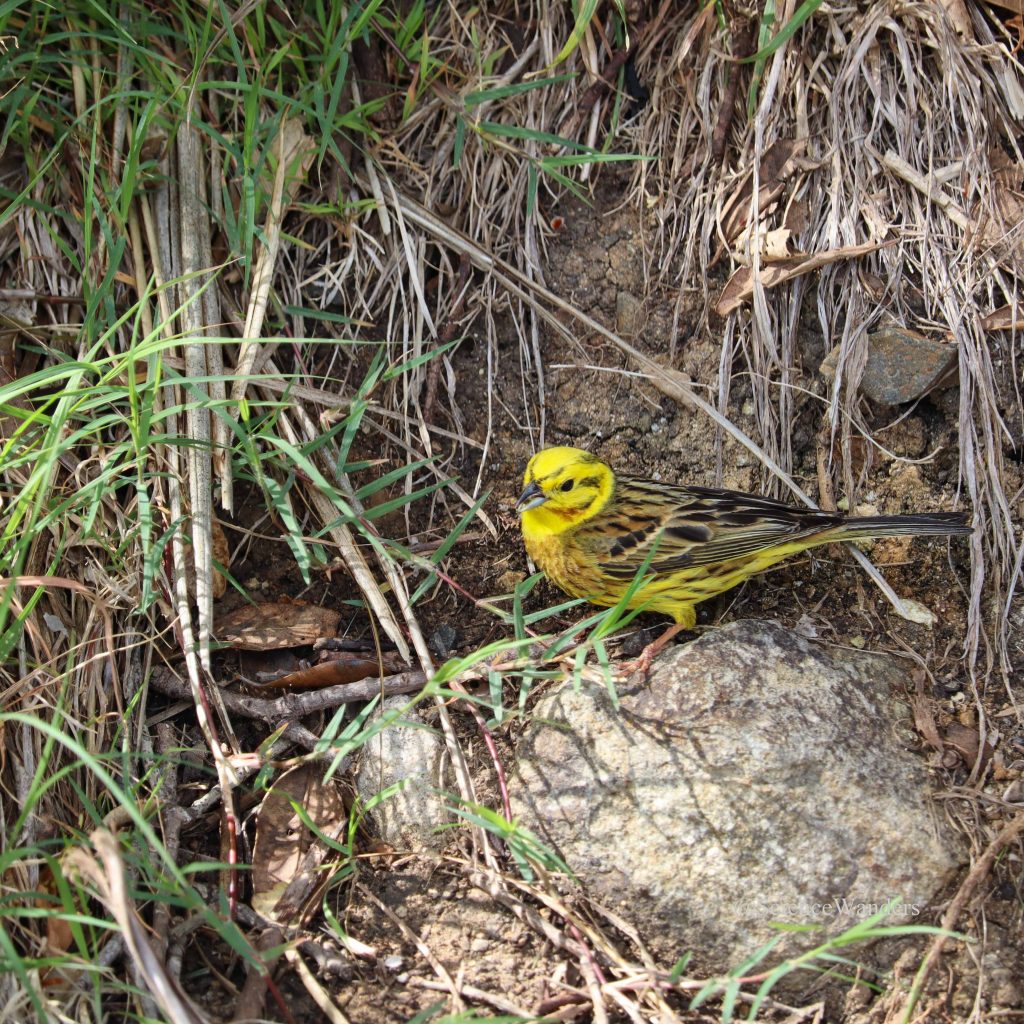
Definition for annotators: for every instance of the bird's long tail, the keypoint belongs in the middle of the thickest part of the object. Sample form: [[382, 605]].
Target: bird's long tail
[[953, 524]]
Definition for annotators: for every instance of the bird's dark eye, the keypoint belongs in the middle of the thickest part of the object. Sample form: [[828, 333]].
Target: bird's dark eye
[[568, 485]]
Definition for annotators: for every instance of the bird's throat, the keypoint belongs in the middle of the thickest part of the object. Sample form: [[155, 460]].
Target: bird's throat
[[547, 520], [544, 521]]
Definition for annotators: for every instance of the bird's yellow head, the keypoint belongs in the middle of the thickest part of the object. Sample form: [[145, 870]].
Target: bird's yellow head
[[564, 487]]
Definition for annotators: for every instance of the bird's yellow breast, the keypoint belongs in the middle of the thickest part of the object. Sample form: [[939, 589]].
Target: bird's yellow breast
[[565, 564]]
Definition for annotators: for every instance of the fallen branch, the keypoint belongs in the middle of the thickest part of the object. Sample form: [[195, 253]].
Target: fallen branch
[[291, 706]]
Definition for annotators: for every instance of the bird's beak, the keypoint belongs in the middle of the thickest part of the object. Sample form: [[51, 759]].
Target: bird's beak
[[530, 498]]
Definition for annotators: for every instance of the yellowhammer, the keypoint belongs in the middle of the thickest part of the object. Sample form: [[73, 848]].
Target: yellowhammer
[[591, 530]]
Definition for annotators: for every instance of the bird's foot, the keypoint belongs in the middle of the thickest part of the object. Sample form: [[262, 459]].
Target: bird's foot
[[642, 664]]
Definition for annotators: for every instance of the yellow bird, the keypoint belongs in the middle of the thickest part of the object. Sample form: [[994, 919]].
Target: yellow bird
[[591, 529]]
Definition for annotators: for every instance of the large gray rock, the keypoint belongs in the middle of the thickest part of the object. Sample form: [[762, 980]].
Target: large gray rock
[[407, 754], [756, 778]]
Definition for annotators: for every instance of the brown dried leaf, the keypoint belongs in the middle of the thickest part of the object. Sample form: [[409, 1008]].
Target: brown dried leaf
[[740, 287], [798, 216], [997, 229], [59, 936], [777, 165], [1005, 170], [299, 150], [959, 18], [876, 215], [221, 556], [286, 859], [344, 667], [774, 245], [1006, 318], [964, 739], [275, 625], [777, 244]]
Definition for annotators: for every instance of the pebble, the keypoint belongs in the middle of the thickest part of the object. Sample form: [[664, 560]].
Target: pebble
[[902, 366]]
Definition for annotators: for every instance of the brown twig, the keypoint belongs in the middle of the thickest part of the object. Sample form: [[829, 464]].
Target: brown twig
[[826, 495], [291, 706], [603, 84], [173, 818], [478, 995], [249, 1005], [30, 295], [978, 873]]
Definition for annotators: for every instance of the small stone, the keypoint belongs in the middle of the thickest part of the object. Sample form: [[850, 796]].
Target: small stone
[[629, 318], [508, 581], [443, 640], [902, 365], [408, 756], [1003, 985]]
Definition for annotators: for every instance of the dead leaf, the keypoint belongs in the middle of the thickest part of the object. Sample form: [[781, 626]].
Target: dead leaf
[[798, 216], [221, 557], [966, 741], [872, 211], [1006, 318], [778, 244], [740, 287], [275, 625], [777, 165], [298, 151], [343, 667], [959, 18], [1005, 170], [996, 228], [773, 245], [873, 285], [287, 855], [59, 936]]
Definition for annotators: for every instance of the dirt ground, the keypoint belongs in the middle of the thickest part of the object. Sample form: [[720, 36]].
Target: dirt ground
[[594, 401]]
